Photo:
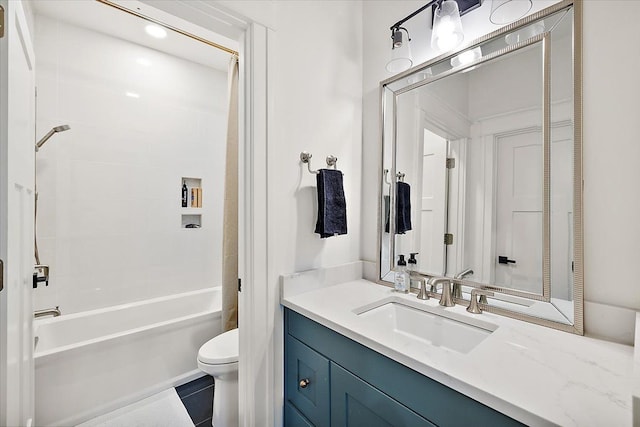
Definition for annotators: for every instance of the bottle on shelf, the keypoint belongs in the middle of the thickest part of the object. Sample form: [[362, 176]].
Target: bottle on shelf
[[185, 194]]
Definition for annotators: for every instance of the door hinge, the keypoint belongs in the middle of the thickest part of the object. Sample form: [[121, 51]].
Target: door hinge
[[1, 274], [1, 22], [239, 284], [451, 163], [448, 239]]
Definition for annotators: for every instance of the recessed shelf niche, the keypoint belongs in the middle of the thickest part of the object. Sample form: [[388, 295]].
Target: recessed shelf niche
[[191, 215]]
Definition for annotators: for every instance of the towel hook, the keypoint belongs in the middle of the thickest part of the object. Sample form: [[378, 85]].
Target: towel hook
[[400, 176], [386, 176], [331, 161], [305, 157]]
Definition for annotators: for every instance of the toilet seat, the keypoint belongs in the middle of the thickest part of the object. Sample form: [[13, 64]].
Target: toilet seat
[[222, 349]]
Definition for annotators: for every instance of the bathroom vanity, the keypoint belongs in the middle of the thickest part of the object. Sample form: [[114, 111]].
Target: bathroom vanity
[[332, 380], [343, 368]]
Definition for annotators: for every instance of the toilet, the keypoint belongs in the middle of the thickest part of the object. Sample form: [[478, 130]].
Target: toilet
[[218, 357]]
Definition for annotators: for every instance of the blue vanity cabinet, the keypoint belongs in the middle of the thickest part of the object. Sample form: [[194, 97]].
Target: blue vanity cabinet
[[307, 383], [354, 403], [356, 386]]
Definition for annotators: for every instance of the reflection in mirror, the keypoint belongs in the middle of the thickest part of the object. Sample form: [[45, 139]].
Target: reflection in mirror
[[483, 142]]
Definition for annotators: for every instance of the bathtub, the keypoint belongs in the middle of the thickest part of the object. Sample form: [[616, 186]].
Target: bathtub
[[89, 363]]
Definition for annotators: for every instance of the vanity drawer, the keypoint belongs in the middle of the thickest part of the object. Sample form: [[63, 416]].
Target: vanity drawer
[[306, 383]]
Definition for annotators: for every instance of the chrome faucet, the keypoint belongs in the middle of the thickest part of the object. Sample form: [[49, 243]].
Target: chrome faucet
[[445, 297], [55, 312], [457, 287]]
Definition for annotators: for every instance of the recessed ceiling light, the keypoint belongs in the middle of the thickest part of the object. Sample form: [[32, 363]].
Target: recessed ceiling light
[[156, 31], [132, 95], [144, 61]]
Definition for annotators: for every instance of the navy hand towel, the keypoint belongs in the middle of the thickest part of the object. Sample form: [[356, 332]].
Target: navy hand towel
[[403, 207], [332, 207]]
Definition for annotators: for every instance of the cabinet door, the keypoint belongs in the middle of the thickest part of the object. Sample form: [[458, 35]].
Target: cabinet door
[[307, 382], [356, 403]]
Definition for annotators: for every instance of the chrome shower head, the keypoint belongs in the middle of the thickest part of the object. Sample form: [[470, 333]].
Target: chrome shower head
[[61, 128], [49, 134]]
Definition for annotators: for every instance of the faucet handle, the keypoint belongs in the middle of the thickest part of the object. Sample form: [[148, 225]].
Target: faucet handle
[[423, 294], [473, 304]]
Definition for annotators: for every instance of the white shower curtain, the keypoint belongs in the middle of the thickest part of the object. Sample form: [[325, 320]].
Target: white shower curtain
[[230, 216]]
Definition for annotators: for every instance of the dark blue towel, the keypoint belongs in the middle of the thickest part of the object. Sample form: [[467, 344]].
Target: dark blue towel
[[403, 209], [332, 207]]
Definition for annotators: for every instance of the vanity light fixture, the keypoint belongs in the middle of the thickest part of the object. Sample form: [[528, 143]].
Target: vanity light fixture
[[447, 30], [447, 26], [400, 52]]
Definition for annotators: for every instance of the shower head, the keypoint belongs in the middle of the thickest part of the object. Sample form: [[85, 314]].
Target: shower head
[[49, 134]]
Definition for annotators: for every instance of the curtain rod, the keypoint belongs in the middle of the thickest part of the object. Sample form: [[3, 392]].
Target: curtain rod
[[169, 27]]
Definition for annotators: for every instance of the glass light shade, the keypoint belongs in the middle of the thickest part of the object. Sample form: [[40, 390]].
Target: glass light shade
[[447, 27], [507, 11], [400, 59]]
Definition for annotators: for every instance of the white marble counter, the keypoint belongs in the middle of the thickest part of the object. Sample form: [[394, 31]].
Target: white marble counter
[[534, 374]]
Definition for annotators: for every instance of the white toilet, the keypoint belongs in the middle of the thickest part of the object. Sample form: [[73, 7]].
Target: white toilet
[[218, 357]]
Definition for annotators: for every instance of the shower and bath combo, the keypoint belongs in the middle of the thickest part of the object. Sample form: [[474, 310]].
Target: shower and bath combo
[[41, 271]]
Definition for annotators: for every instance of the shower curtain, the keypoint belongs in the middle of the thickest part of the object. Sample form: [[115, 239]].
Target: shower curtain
[[230, 216]]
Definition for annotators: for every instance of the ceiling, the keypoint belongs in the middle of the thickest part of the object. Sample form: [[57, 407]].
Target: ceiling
[[111, 21]]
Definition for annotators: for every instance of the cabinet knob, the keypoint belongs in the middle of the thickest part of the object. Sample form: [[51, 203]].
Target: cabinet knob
[[304, 383]]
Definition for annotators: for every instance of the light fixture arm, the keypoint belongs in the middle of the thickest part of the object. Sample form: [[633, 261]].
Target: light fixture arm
[[464, 7], [398, 25]]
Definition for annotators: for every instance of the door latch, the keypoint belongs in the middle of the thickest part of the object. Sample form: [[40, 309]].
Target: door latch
[[505, 260], [1, 274]]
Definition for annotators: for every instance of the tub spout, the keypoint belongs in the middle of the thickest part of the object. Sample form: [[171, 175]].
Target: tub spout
[[55, 312]]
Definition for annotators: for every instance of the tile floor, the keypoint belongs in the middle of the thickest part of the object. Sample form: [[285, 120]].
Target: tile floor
[[188, 405]]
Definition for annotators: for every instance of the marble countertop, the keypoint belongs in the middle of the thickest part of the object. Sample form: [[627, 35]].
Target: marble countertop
[[536, 375]]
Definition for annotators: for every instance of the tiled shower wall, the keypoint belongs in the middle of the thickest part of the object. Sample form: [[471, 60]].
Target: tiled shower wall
[[109, 188]]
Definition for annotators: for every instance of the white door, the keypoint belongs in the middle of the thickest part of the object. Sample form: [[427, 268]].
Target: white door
[[17, 163], [519, 212], [433, 205]]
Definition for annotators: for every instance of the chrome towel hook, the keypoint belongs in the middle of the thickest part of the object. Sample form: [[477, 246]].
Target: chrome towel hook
[[305, 157]]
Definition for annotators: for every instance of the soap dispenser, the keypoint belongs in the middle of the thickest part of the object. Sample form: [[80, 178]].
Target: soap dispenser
[[412, 266], [401, 283]]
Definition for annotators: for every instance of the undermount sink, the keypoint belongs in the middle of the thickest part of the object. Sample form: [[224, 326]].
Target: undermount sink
[[430, 325]]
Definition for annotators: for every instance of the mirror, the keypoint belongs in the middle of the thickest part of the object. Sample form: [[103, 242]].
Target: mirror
[[478, 169]]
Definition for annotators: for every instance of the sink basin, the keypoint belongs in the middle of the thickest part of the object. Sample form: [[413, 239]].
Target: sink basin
[[426, 324]]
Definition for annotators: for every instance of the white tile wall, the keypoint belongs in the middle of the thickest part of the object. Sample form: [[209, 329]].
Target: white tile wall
[[109, 188]]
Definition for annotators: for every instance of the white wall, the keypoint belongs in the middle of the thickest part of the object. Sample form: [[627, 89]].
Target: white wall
[[611, 201], [109, 212], [317, 107]]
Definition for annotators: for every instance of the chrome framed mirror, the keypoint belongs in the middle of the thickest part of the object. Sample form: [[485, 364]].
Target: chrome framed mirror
[[481, 170]]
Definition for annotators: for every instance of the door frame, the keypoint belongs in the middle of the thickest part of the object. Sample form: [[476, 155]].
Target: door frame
[[259, 388]]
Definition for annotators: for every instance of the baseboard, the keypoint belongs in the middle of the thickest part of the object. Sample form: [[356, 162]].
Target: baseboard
[[132, 398]]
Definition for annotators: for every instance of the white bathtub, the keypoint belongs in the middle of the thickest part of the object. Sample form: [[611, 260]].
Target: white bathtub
[[92, 362]]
